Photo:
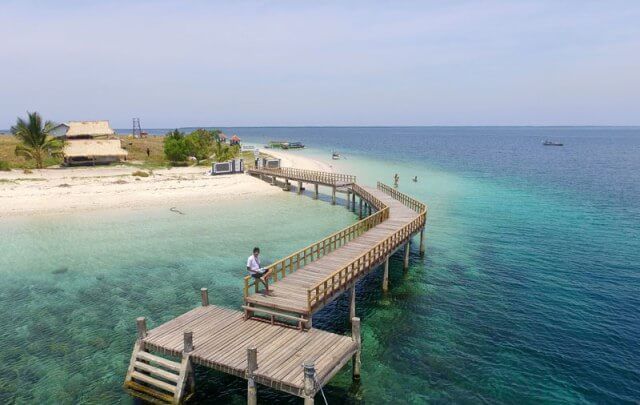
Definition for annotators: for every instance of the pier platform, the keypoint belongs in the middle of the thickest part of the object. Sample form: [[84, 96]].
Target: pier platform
[[272, 341]]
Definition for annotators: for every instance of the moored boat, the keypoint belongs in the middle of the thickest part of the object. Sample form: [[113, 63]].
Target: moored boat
[[552, 143]]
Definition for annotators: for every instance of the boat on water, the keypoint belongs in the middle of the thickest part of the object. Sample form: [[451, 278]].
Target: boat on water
[[552, 143], [335, 155], [285, 145]]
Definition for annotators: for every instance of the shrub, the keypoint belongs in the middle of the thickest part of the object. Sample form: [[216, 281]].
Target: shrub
[[27, 171], [175, 146], [140, 173], [4, 166]]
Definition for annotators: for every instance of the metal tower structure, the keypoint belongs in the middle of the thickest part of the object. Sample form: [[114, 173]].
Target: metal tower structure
[[137, 131]]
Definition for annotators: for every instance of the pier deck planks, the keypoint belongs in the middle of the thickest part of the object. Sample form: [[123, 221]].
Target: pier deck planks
[[290, 293], [221, 337]]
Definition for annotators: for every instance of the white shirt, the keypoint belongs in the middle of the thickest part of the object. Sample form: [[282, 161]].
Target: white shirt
[[253, 264]]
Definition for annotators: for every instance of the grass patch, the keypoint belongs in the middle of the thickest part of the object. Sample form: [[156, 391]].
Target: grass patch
[[4, 166]]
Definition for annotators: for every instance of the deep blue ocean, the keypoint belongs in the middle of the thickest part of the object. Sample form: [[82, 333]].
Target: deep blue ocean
[[529, 291]]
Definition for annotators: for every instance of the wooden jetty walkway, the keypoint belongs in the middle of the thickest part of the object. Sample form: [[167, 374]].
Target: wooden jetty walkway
[[272, 341]]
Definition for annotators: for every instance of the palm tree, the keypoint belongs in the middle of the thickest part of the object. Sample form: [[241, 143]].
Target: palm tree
[[223, 152], [35, 141]]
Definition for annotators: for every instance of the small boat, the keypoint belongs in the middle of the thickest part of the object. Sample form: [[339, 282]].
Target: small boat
[[335, 156], [295, 145], [551, 143]]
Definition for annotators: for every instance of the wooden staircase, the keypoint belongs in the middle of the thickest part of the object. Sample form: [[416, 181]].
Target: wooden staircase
[[157, 379]]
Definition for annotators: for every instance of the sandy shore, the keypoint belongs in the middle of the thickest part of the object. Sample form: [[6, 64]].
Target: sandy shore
[[52, 191]]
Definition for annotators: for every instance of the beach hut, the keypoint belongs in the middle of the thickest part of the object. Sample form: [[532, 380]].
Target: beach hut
[[88, 142], [93, 151], [83, 130], [235, 140], [222, 137]]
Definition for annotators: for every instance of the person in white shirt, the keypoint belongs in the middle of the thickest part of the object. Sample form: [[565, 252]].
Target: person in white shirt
[[259, 273]]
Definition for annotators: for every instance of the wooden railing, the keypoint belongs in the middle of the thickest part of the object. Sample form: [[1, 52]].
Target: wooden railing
[[364, 194], [312, 176], [304, 256], [343, 277], [403, 198]]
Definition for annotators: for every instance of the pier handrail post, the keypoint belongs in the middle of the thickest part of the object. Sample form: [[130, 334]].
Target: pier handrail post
[[188, 342], [355, 335], [309, 382], [252, 366], [141, 324], [205, 296]]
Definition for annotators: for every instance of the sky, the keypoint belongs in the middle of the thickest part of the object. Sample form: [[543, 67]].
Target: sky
[[321, 63]]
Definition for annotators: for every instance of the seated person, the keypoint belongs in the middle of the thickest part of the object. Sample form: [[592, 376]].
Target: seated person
[[259, 273]]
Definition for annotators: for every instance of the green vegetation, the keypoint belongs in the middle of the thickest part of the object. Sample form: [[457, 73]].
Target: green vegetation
[[200, 144], [35, 142], [175, 146], [4, 166]]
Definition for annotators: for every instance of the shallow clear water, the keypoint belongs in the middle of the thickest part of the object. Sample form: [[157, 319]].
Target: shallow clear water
[[528, 291]]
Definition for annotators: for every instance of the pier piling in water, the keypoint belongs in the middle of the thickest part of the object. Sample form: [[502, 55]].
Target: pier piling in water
[[385, 276], [356, 359], [252, 366], [204, 293], [352, 302], [333, 195], [422, 241], [407, 248], [141, 324], [315, 195], [309, 382]]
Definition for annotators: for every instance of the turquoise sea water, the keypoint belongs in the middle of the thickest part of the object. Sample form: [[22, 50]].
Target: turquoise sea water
[[528, 292]]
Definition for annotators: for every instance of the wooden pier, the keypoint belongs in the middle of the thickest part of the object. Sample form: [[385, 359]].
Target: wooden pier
[[272, 341]]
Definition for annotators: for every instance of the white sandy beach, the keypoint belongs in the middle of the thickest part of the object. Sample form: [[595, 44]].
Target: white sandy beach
[[52, 191]]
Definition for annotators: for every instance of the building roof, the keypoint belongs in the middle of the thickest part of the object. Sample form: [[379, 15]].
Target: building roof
[[222, 136], [79, 128], [235, 137], [94, 148]]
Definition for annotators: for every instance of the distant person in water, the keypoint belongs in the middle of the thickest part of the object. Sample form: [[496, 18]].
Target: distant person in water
[[258, 273], [396, 180], [415, 179]]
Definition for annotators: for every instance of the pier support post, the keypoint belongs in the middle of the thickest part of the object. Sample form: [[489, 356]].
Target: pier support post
[[309, 382], [407, 247], [141, 324], [287, 186], [369, 206], [273, 180], [352, 302], [356, 360], [252, 366], [204, 293], [353, 201], [422, 241], [360, 208], [315, 195], [333, 195], [348, 199], [385, 276], [299, 187], [188, 342]]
